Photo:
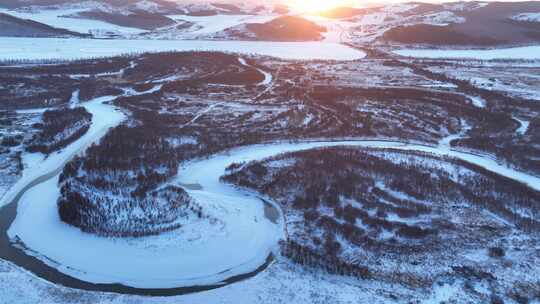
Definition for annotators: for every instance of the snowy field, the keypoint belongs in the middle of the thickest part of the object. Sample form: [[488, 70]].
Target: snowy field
[[170, 260], [58, 48], [527, 52], [281, 282], [37, 166], [527, 17], [55, 18], [201, 252], [336, 30], [189, 256], [218, 23]]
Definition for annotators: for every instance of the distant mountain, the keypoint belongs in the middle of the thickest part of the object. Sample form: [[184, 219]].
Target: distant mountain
[[192, 8], [11, 26], [284, 28], [345, 12], [22, 3], [231, 8], [287, 28], [436, 35], [205, 9], [136, 19], [490, 24], [411, 24], [114, 3]]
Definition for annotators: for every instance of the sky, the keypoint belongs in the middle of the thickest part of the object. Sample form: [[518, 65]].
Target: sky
[[318, 5]]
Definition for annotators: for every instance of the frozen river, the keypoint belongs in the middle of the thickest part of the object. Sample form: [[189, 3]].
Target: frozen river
[[526, 52], [61, 48], [64, 255]]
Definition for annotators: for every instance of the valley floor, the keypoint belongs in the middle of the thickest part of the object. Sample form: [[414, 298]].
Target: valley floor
[[196, 115]]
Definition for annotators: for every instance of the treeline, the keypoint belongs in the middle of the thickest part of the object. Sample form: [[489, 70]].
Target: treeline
[[160, 211], [405, 113], [522, 155], [140, 156], [58, 61], [494, 131], [88, 66], [53, 85], [383, 197], [20, 92], [337, 193], [308, 257], [59, 128], [10, 155], [7, 119], [135, 157], [123, 172], [130, 163], [238, 76], [205, 68]]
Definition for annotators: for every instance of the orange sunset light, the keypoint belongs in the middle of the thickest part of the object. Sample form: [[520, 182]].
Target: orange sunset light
[[316, 6]]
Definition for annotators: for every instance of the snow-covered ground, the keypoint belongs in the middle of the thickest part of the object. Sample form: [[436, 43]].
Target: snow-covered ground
[[201, 252], [280, 283], [36, 165], [55, 18], [58, 48], [527, 52], [267, 76], [366, 28], [446, 142], [169, 260], [528, 17], [213, 24], [523, 126], [478, 101], [255, 152], [336, 30]]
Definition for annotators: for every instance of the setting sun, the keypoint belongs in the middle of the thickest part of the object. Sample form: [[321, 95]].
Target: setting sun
[[316, 6]]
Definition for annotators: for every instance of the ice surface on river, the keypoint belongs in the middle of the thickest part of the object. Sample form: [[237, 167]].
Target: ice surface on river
[[527, 52], [59, 48]]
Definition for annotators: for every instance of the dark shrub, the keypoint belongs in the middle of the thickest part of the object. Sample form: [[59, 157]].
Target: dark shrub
[[496, 252]]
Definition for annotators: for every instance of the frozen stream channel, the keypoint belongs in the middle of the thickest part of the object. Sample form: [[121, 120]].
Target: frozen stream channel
[[70, 49], [198, 256]]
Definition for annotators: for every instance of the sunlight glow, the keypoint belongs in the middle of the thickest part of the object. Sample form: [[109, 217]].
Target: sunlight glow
[[317, 6]]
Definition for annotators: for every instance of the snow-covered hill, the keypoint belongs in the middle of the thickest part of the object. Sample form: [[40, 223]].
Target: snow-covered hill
[[528, 17], [283, 28], [453, 24], [11, 26]]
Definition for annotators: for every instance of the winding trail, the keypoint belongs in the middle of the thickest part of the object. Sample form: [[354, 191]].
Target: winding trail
[[267, 76], [201, 113], [269, 81], [523, 126], [446, 142]]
